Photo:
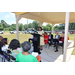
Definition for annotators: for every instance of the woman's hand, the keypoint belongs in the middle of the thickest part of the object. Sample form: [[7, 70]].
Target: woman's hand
[[45, 39], [37, 57]]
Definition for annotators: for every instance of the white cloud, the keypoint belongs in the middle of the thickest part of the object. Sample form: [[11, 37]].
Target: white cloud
[[13, 22], [44, 24], [13, 15], [7, 16], [23, 21], [56, 25]]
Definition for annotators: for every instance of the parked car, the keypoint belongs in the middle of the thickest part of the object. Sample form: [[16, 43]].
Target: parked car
[[60, 32], [13, 32], [29, 32], [25, 32], [72, 32], [1, 32]]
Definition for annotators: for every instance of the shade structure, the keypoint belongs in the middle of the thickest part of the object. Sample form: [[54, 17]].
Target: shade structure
[[49, 17]]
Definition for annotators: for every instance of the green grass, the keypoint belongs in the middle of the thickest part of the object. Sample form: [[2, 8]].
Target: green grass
[[73, 53], [22, 37], [25, 37]]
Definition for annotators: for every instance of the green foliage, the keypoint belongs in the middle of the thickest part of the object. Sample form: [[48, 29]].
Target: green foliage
[[5, 25], [35, 24], [49, 27], [25, 26], [1, 26], [21, 27], [10, 29], [6, 29], [56, 27]]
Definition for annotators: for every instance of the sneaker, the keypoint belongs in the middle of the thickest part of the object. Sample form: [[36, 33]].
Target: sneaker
[[39, 52]]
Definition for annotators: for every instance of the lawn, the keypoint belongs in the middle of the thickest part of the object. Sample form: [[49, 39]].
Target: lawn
[[22, 37], [25, 37]]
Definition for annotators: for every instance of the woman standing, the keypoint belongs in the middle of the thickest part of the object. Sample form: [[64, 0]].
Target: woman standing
[[41, 32]]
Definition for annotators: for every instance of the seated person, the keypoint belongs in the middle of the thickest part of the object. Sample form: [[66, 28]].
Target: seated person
[[14, 47], [4, 44], [25, 56], [31, 39], [50, 38], [1, 52], [61, 42], [57, 38], [68, 38], [46, 37]]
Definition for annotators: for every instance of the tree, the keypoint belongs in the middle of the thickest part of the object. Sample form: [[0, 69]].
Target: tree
[[30, 25], [6, 29], [21, 27], [36, 24], [61, 27], [49, 27], [56, 27], [25, 26], [10, 29], [44, 28], [1, 26], [5, 25]]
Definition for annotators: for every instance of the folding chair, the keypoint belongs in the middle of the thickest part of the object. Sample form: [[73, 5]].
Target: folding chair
[[52, 43]]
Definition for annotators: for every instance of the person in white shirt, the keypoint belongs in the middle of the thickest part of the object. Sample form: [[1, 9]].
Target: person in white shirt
[[4, 44], [57, 36]]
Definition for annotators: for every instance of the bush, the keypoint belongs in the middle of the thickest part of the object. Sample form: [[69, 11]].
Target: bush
[[6, 29]]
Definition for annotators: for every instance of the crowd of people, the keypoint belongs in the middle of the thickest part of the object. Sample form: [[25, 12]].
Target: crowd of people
[[21, 53], [48, 39]]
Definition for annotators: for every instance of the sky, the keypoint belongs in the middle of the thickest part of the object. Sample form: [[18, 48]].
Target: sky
[[9, 18]]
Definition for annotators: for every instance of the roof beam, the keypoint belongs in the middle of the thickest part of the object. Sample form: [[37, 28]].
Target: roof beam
[[20, 13]]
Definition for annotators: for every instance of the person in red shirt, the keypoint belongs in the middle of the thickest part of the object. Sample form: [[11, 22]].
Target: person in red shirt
[[46, 37]]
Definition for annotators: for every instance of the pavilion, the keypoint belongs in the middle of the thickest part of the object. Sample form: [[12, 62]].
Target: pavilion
[[49, 17]]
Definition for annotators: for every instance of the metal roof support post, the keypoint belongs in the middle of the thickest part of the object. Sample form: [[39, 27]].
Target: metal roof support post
[[17, 28], [52, 28], [66, 35]]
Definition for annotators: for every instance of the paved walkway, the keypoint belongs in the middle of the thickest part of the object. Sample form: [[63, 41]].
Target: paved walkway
[[72, 58], [48, 54]]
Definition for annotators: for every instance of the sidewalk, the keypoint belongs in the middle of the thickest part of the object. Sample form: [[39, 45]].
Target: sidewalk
[[72, 58], [48, 54]]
